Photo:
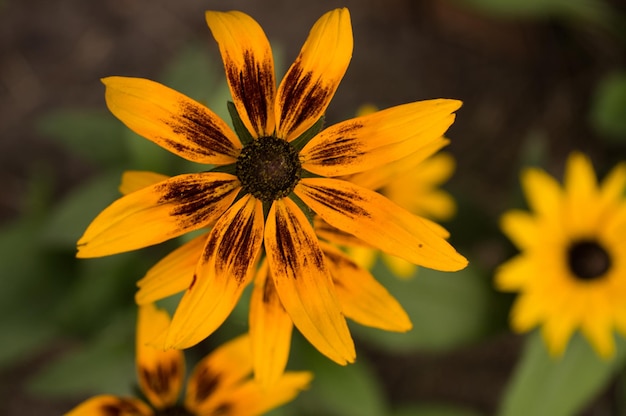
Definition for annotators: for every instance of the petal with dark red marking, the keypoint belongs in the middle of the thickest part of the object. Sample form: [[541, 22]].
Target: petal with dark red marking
[[160, 372], [158, 213], [270, 330], [225, 268], [310, 83], [172, 120], [376, 139], [249, 67], [379, 222], [106, 405], [303, 281]]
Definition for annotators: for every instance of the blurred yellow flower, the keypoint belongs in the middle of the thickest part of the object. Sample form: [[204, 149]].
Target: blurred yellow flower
[[272, 173], [571, 271], [219, 385]]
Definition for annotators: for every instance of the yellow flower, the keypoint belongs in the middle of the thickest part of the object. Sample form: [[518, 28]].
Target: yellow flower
[[571, 272], [271, 174], [219, 385]]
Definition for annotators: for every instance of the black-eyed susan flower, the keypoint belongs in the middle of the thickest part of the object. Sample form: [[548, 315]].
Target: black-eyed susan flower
[[571, 271], [271, 174], [220, 384]]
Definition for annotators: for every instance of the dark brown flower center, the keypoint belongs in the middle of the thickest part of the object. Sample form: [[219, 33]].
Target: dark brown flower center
[[174, 411], [588, 260], [268, 168]]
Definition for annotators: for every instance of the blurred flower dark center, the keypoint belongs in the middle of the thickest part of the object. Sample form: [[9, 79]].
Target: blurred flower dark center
[[588, 260], [173, 411], [268, 168]]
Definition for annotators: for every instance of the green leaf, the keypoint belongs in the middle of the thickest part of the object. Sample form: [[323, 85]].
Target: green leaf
[[192, 73], [104, 365], [544, 385], [102, 287], [608, 110], [447, 309], [240, 128], [433, 410], [71, 216], [24, 336], [95, 135], [351, 390]]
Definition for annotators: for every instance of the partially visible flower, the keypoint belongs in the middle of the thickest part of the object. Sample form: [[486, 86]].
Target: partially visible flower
[[273, 171], [219, 385], [571, 271], [413, 182]]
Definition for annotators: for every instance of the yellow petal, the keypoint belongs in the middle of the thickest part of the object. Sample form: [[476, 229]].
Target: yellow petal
[[613, 185], [581, 194], [362, 298], [303, 281], [252, 399], [224, 270], [134, 180], [543, 192], [526, 313], [171, 120], [382, 176], [374, 140], [311, 82], [106, 405], [249, 67], [160, 372], [216, 374], [514, 274], [330, 233], [400, 267], [158, 213], [172, 274], [376, 220], [521, 228], [270, 330]]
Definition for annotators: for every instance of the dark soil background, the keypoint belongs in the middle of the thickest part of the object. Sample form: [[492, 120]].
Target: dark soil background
[[516, 76]]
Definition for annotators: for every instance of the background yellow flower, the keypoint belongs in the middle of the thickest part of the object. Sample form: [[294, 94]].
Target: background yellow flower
[[571, 270]]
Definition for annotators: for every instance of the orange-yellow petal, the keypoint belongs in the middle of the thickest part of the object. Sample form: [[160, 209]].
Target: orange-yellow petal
[[158, 213], [249, 67], [311, 81], [362, 298], [252, 399], [171, 120], [270, 330], [215, 375], [382, 176], [225, 268], [106, 405], [303, 281], [515, 273], [160, 372], [173, 273], [376, 220], [542, 191], [522, 228], [376, 139], [134, 180]]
